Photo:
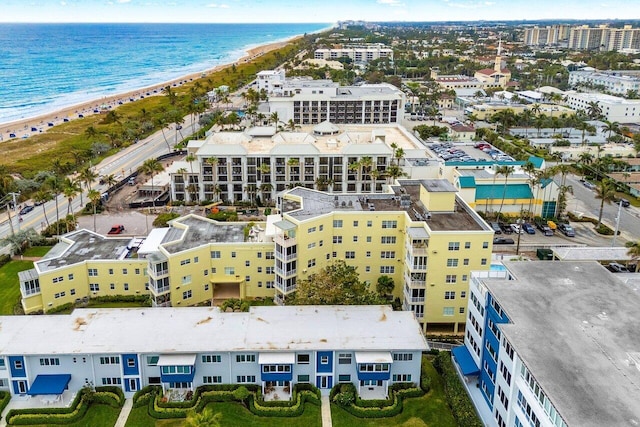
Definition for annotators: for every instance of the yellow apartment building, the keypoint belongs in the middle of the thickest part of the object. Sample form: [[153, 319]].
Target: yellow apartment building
[[419, 232]]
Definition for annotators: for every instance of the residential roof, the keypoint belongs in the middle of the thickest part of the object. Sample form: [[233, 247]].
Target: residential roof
[[536, 161], [513, 191], [592, 253], [199, 329], [467, 182], [575, 326]]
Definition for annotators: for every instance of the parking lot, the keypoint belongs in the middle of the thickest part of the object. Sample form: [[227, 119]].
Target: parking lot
[[449, 151]]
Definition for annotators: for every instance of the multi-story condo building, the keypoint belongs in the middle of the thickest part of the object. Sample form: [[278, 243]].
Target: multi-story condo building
[[548, 35], [271, 80], [544, 347], [359, 53], [614, 108], [372, 347], [605, 38], [419, 233], [611, 81], [315, 101], [261, 162]]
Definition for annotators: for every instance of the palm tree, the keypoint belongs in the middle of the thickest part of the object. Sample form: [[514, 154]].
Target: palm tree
[[70, 189], [610, 127], [506, 171], [274, 118], [605, 191], [86, 176], [540, 121], [206, 418], [526, 117], [163, 123], [366, 163], [151, 167], [593, 110], [398, 153], [192, 158], [42, 196], [171, 95], [585, 158], [94, 196], [634, 252], [374, 175], [291, 125], [54, 183], [110, 180], [291, 163]]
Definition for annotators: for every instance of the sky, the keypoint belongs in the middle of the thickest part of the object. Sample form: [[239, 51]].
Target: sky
[[323, 11]]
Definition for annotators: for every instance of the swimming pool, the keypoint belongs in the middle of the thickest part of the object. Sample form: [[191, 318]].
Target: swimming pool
[[498, 267]]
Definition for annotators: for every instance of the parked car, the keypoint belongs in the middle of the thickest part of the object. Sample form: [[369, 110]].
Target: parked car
[[506, 228], [543, 227], [617, 268], [496, 227], [116, 229], [552, 225], [567, 230], [625, 203], [25, 210], [528, 228], [516, 228], [502, 241]]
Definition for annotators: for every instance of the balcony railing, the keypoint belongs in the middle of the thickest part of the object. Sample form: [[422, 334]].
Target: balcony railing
[[285, 241], [28, 292], [284, 257], [411, 299], [154, 273], [413, 283], [418, 250], [286, 272], [164, 304], [158, 291], [285, 289]]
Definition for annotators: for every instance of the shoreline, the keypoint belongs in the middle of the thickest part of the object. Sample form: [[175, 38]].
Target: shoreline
[[23, 128]]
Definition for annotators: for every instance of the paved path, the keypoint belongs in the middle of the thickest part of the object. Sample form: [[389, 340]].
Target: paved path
[[124, 413], [325, 409]]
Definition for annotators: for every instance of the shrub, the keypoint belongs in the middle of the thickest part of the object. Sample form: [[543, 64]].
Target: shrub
[[342, 395], [457, 397], [241, 394], [5, 397], [162, 219]]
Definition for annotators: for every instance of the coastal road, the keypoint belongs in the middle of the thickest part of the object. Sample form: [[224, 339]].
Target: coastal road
[[585, 202], [122, 163]]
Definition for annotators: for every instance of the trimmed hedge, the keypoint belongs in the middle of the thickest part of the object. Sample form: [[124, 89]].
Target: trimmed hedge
[[5, 397], [381, 408], [74, 413], [457, 397]]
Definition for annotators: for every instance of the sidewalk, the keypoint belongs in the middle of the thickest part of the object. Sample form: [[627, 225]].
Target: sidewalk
[[124, 413], [325, 409]]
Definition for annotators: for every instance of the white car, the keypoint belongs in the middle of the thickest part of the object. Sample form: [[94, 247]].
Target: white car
[[516, 228]]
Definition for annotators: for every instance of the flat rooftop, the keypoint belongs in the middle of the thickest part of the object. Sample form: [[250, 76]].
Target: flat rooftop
[[575, 325], [201, 329], [315, 203], [84, 245], [200, 230]]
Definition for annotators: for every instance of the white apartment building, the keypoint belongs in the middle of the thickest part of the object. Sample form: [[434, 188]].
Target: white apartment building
[[604, 38], [611, 82], [270, 80], [551, 344], [361, 53], [548, 35], [262, 161], [614, 108]]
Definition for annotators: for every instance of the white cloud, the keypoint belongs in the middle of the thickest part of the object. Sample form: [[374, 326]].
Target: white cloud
[[218, 6], [63, 3], [394, 3], [123, 1]]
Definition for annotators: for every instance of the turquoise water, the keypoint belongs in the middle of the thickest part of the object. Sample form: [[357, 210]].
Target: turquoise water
[[45, 67], [497, 267]]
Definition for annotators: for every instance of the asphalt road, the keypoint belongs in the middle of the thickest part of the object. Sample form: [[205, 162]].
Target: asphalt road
[[120, 164]]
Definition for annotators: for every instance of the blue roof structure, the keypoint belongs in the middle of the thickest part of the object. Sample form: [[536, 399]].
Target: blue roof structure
[[465, 361], [537, 161], [467, 182], [49, 384], [514, 191]]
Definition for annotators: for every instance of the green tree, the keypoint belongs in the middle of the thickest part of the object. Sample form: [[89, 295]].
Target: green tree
[[594, 111], [42, 197], [94, 196], [505, 171], [206, 418], [605, 192], [336, 284], [634, 252], [385, 286], [70, 189], [151, 167]]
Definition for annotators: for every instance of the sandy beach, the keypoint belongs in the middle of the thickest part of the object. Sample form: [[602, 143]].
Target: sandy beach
[[44, 122]]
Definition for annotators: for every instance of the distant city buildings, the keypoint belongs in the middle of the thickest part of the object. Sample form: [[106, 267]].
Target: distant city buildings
[[547, 35], [358, 53], [584, 37], [613, 108], [543, 347], [614, 82]]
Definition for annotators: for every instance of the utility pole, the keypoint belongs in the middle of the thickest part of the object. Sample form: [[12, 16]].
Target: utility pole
[[615, 233], [10, 220]]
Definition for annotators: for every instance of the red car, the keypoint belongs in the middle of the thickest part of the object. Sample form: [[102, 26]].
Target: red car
[[116, 229]]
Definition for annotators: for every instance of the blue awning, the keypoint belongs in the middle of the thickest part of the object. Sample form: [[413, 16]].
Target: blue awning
[[49, 384], [464, 360]]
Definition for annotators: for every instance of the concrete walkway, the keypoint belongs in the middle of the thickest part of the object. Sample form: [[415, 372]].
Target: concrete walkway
[[325, 409], [124, 413]]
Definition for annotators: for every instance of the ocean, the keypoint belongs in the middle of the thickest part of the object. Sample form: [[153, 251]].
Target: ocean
[[46, 67]]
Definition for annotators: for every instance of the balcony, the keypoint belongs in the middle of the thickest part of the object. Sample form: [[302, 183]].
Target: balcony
[[284, 240], [160, 290], [284, 257], [414, 283], [156, 274], [411, 299], [286, 272], [419, 250], [285, 289]]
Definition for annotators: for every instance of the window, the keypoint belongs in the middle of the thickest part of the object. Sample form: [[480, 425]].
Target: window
[[205, 272], [259, 254], [461, 310], [401, 378], [324, 360], [186, 279], [137, 271], [388, 254], [111, 381], [229, 271], [452, 262], [465, 261], [463, 294], [126, 286], [311, 230], [369, 223], [70, 276], [321, 243], [59, 295], [125, 271], [350, 255], [110, 360], [447, 311], [483, 261], [58, 279], [112, 286], [311, 245], [451, 278], [388, 240], [485, 245], [454, 246], [152, 360], [269, 270], [337, 239], [72, 291], [94, 287], [344, 358], [373, 367], [17, 364], [185, 261], [387, 269], [355, 239], [111, 271], [389, 224], [368, 239], [355, 223], [345, 378], [131, 362], [215, 254], [245, 358], [402, 357], [247, 263], [269, 255], [93, 272], [311, 263], [367, 269], [247, 278], [450, 295], [215, 379], [464, 277], [211, 358], [49, 361], [467, 245], [303, 378], [240, 379], [337, 223], [303, 359]]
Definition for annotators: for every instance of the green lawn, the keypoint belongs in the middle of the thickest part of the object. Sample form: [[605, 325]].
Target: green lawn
[[38, 251], [10, 286], [233, 414], [430, 410], [96, 416]]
